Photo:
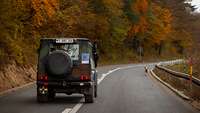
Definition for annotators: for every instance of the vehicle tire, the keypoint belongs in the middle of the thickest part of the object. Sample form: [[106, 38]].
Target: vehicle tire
[[95, 86], [42, 98], [51, 95], [95, 92], [89, 98]]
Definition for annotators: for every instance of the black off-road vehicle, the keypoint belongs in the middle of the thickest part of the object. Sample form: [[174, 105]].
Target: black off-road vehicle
[[66, 65]]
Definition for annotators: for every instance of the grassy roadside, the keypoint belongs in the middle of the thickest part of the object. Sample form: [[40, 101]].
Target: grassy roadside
[[184, 68]]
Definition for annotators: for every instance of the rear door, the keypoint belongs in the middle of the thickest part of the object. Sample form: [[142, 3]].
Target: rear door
[[82, 70]]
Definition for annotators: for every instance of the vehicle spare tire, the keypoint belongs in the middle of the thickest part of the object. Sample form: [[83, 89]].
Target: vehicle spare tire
[[59, 63]]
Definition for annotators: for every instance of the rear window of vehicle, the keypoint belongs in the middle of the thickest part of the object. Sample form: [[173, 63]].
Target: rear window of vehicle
[[71, 49]]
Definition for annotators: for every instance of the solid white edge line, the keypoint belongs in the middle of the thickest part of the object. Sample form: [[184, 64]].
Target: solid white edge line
[[179, 93], [16, 88]]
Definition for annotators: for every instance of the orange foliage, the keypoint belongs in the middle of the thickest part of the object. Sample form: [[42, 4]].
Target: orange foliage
[[19, 3], [50, 7], [42, 9], [162, 24], [140, 27], [139, 7], [159, 28]]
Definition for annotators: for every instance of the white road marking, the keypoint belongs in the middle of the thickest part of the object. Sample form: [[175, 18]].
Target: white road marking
[[76, 108], [16, 88], [104, 75], [128, 67], [67, 110]]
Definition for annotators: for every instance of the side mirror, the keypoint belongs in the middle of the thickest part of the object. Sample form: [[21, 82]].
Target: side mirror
[[95, 54], [94, 47]]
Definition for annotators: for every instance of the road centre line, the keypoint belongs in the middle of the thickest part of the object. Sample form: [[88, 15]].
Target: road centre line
[[67, 110]]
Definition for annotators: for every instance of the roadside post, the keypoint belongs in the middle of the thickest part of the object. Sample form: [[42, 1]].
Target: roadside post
[[190, 73], [140, 53]]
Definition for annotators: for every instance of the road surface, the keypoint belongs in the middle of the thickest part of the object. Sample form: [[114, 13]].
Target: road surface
[[122, 89]]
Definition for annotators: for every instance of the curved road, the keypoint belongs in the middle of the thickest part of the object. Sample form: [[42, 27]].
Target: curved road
[[122, 89]]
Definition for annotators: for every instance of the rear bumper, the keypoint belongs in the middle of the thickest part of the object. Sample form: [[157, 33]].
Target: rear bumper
[[65, 84], [67, 87]]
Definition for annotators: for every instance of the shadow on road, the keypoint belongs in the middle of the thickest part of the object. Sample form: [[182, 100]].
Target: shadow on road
[[59, 99], [67, 99]]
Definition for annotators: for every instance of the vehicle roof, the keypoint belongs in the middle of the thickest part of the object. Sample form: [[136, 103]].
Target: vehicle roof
[[82, 39]]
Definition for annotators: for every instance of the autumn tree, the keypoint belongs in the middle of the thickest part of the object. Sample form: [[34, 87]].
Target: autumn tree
[[161, 26], [14, 20], [118, 26], [44, 9], [182, 23]]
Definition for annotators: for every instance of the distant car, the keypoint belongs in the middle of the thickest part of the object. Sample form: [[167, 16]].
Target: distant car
[[66, 65]]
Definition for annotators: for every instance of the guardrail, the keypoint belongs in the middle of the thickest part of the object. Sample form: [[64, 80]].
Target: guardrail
[[172, 62], [179, 74]]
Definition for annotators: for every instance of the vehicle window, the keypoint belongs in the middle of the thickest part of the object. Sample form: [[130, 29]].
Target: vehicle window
[[85, 48], [44, 50], [86, 53], [72, 50]]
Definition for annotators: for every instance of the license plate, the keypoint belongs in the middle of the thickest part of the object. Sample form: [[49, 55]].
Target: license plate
[[64, 41]]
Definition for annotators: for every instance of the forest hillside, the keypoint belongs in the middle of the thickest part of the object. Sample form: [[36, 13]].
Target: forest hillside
[[126, 31]]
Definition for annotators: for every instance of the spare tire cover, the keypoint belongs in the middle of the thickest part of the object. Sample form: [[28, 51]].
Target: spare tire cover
[[59, 63]]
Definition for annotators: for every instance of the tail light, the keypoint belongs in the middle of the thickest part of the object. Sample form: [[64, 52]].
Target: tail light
[[84, 77], [43, 77]]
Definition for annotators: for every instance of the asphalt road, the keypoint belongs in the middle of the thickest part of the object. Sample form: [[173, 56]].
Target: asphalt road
[[122, 89]]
